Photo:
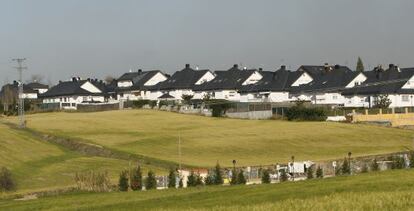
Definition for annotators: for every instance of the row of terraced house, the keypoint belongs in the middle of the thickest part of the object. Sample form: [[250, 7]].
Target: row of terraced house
[[333, 85]]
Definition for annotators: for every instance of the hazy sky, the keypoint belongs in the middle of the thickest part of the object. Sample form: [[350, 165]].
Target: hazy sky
[[95, 38]]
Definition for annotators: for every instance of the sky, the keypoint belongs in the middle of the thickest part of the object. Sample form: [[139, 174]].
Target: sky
[[97, 38]]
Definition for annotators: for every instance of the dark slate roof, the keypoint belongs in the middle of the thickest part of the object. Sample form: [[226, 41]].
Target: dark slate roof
[[36, 85], [280, 80], [183, 79], [138, 79], [317, 70], [14, 87], [381, 81], [226, 79], [68, 88], [331, 79], [165, 96]]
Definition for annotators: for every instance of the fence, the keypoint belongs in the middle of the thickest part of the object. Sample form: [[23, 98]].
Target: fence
[[97, 107]]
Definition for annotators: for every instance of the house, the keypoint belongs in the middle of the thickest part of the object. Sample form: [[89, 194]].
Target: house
[[133, 85], [395, 83], [181, 83], [68, 94], [227, 83], [327, 85], [9, 93], [274, 86]]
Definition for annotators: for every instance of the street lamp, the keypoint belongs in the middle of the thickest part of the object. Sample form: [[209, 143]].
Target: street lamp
[[293, 168]]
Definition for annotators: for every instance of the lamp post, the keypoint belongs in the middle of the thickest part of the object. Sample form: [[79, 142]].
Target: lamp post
[[293, 168], [349, 161]]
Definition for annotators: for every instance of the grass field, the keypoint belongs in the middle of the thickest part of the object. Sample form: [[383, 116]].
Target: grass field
[[390, 190], [204, 141], [39, 166]]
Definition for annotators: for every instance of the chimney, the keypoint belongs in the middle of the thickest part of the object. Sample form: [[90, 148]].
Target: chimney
[[139, 71], [74, 79], [187, 66], [337, 66], [236, 66], [283, 67], [327, 68], [391, 66]]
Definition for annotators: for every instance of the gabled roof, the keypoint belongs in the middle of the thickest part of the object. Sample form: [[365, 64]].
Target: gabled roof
[[138, 79], [231, 79], [36, 85], [381, 81], [166, 96], [280, 80], [69, 88], [317, 70], [14, 87], [183, 79], [332, 79]]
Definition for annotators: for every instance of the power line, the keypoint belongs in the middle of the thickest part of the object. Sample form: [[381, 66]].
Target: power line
[[20, 69]]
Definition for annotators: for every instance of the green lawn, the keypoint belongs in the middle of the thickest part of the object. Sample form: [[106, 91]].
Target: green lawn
[[390, 190], [208, 140], [38, 165]]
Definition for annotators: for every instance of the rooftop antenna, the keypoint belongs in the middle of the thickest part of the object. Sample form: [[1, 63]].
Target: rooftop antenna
[[20, 69]]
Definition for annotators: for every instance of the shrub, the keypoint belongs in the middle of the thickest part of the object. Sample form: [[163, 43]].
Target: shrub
[[209, 179], [140, 103], [199, 180], [309, 173], [218, 177], [151, 182], [6, 180], [136, 179], [398, 162], [123, 181], [240, 177], [374, 165], [172, 179], [93, 182], [233, 180], [364, 168], [412, 160], [346, 168], [301, 113], [319, 172], [283, 176], [187, 98], [191, 180], [180, 183], [219, 107], [266, 177]]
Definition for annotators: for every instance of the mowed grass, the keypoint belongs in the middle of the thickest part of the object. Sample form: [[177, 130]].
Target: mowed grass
[[204, 140], [40, 166], [390, 190]]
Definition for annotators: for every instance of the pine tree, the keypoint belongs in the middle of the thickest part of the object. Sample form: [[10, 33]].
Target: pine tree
[[233, 180], [136, 179], [309, 173], [240, 178], [123, 181], [345, 167], [209, 179], [319, 172], [218, 177], [172, 179], [266, 177], [180, 183], [6, 180], [151, 181], [374, 165], [412, 160], [199, 180], [360, 65], [191, 180], [283, 175]]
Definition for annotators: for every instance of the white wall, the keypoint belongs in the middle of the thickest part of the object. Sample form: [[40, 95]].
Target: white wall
[[124, 83], [70, 102], [88, 86], [409, 84], [303, 79], [29, 95], [159, 77], [231, 95], [205, 78], [397, 100], [279, 97], [360, 78], [253, 78]]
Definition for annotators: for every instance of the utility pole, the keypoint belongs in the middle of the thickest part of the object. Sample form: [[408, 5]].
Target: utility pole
[[20, 69]]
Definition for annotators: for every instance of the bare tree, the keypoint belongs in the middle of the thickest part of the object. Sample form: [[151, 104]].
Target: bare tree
[[109, 79], [36, 78]]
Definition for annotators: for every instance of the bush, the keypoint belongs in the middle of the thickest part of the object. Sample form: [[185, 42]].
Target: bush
[[209, 179], [398, 162], [412, 160], [172, 179], [136, 179], [151, 182], [123, 181], [233, 180], [180, 183], [240, 178], [309, 173], [364, 168], [346, 168], [319, 172], [301, 113], [219, 107], [93, 182], [141, 103], [199, 180], [6, 180], [283, 176], [374, 165], [266, 177], [191, 180]]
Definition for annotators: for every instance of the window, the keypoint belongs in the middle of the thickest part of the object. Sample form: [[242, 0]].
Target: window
[[334, 97], [405, 98]]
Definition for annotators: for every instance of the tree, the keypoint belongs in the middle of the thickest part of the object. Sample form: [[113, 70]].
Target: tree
[[382, 101], [364, 168], [180, 183], [108, 79], [374, 165], [209, 179], [199, 180], [240, 177], [283, 175], [218, 177], [319, 172], [151, 182], [123, 181], [233, 180], [191, 180], [360, 65], [187, 98], [346, 167], [6, 180], [266, 177], [136, 179], [172, 179], [309, 173], [412, 160]]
